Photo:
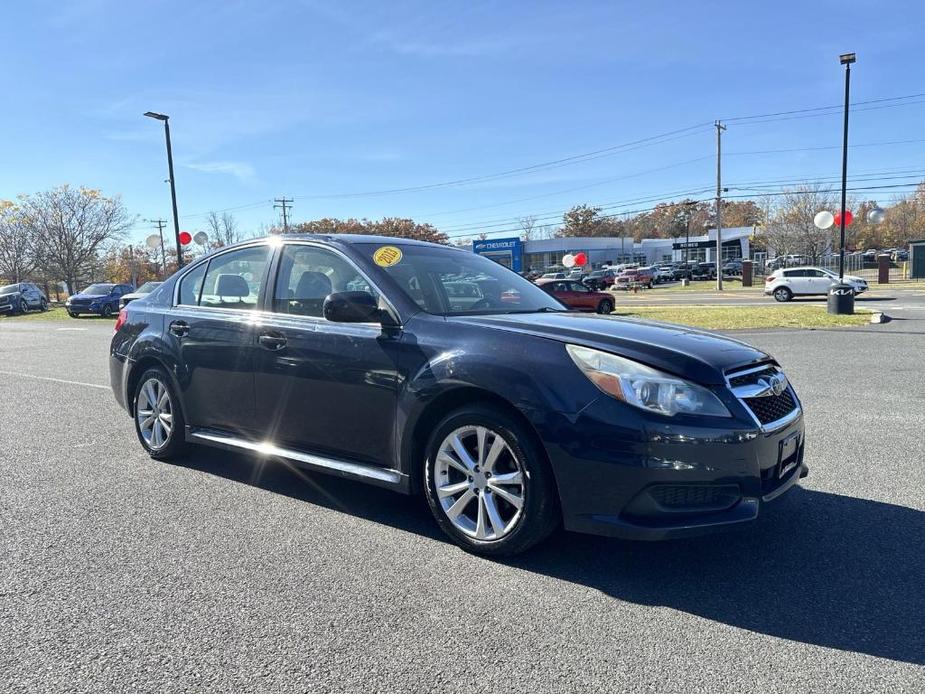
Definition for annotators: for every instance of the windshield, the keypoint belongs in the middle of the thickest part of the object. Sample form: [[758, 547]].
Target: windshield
[[147, 287], [451, 282], [97, 289], [11, 289]]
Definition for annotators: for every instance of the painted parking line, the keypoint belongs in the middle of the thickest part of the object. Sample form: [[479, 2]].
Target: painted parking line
[[54, 380]]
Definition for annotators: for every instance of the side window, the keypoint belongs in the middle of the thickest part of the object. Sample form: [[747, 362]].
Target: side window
[[191, 286], [234, 279], [307, 274], [577, 287]]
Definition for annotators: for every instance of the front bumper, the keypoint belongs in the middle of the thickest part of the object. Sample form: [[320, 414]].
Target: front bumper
[[651, 481]]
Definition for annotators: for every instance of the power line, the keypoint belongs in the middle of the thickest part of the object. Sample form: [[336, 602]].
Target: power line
[[825, 108]]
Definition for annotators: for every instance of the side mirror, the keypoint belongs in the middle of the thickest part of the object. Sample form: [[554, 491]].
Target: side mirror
[[352, 307]]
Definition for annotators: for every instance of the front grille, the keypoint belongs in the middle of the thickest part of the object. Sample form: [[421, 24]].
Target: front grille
[[771, 408], [751, 377], [699, 497]]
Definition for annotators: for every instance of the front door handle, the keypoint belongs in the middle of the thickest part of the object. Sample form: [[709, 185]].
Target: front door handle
[[272, 340], [180, 328]]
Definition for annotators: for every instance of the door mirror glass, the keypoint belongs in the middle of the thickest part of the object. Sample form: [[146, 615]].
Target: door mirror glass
[[352, 307]]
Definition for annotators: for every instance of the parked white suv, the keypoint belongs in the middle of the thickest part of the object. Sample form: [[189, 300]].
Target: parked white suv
[[786, 283]]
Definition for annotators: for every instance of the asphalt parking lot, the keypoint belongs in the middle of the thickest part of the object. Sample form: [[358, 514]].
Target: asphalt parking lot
[[229, 574]]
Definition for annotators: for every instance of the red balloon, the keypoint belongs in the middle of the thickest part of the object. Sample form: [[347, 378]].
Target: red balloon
[[185, 238], [848, 218], [581, 259]]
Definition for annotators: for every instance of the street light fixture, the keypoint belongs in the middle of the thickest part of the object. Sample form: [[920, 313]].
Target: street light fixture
[[173, 187]]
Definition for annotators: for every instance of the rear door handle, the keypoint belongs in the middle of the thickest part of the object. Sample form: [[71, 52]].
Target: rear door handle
[[272, 340], [180, 328]]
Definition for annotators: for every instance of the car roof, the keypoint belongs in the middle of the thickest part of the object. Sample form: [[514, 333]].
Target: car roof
[[348, 239]]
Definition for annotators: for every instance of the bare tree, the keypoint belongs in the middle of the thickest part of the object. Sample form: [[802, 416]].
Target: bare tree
[[528, 228], [69, 227], [16, 259], [790, 227], [223, 230]]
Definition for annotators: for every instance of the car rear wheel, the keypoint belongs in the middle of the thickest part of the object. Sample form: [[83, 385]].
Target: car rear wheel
[[158, 419], [106, 312], [73, 315], [488, 484], [44, 305], [783, 294], [606, 306]]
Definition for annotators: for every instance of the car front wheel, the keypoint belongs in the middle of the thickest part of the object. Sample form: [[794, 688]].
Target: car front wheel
[[44, 305], [158, 419], [23, 306], [783, 294], [488, 484]]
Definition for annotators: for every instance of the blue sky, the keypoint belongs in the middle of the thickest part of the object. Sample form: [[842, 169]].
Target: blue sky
[[313, 100]]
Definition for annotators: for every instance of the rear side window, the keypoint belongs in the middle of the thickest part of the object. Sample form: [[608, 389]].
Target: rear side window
[[307, 274], [234, 279], [191, 286]]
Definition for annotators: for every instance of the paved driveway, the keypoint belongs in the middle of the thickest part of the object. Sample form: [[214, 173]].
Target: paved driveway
[[226, 574]]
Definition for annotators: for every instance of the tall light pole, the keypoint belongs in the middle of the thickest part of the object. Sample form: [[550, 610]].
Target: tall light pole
[[846, 59], [173, 187]]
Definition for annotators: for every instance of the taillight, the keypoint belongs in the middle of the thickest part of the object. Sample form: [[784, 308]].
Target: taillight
[[120, 321], [769, 278]]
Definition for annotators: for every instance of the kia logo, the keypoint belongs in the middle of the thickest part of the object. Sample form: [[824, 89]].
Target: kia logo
[[841, 292]]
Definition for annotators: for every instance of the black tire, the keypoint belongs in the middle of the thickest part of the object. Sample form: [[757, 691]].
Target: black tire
[[782, 294], [605, 307], [23, 306], [176, 442], [540, 514], [44, 306], [106, 311], [73, 315]]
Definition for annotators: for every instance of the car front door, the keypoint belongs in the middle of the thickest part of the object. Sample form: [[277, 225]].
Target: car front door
[[213, 327], [324, 387], [581, 296]]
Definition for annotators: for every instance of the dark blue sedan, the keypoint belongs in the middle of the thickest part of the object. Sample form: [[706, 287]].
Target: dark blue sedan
[[99, 299], [431, 370]]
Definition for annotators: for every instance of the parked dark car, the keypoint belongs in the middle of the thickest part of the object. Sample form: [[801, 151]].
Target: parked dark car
[[732, 267], [577, 296], [511, 415], [703, 271], [99, 299], [683, 271], [21, 297], [142, 291], [600, 279]]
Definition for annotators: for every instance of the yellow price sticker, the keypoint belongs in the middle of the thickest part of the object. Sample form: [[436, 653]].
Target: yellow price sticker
[[387, 256]]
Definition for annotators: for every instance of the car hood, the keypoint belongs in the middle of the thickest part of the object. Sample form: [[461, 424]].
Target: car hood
[[854, 278], [89, 297], [692, 354]]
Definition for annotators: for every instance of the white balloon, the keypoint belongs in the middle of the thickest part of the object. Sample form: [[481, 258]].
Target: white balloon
[[153, 241], [824, 219], [568, 260], [876, 215], [201, 237]]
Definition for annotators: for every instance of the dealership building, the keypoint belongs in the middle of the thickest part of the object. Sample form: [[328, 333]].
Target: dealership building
[[539, 254]]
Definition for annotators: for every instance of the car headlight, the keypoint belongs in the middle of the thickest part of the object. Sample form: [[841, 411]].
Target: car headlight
[[643, 386]]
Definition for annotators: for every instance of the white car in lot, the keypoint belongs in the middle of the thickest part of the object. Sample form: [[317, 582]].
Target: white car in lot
[[786, 283]]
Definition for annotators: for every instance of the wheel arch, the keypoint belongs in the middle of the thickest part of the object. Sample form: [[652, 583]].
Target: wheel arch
[[139, 367], [418, 432]]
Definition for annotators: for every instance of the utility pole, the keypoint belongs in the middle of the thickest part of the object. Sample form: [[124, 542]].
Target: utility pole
[[161, 223], [284, 206], [719, 205]]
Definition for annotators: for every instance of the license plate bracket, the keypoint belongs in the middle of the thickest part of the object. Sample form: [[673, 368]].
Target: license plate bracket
[[788, 455]]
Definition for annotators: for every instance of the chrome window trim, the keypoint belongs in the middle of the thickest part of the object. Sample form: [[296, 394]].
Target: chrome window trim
[[206, 259]]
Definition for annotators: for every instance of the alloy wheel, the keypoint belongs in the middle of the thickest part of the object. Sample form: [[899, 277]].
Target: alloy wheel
[[479, 483], [154, 414]]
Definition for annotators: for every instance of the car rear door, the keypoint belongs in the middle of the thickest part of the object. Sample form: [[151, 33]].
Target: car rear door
[[796, 282], [582, 296], [324, 387], [213, 328]]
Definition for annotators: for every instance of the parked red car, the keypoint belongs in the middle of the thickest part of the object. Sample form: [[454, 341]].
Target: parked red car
[[577, 296], [639, 277]]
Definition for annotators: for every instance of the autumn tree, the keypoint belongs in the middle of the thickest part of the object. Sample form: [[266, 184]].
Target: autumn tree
[[69, 227], [388, 226], [17, 260], [586, 220]]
